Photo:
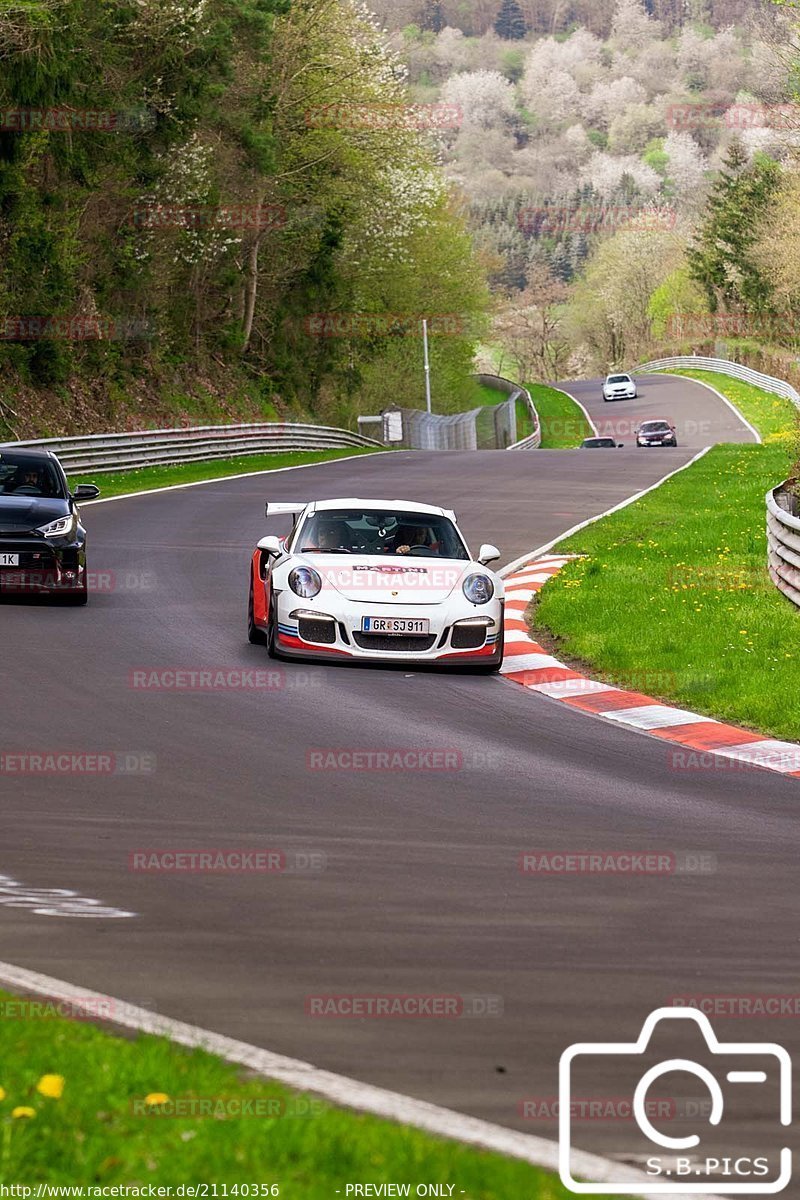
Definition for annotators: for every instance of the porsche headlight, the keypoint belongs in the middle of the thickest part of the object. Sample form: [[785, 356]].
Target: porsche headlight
[[61, 527], [478, 589], [304, 582]]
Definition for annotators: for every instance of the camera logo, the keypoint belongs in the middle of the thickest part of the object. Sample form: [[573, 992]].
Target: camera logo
[[744, 1080]]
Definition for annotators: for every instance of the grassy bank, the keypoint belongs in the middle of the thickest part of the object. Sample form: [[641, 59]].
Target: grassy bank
[[119, 483], [677, 584], [102, 1130], [563, 422]]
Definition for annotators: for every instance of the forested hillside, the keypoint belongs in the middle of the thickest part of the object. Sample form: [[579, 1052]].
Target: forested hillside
[[187, 188], [629, 169]]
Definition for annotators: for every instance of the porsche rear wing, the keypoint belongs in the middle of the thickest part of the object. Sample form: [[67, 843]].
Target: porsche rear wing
[[274, 508]]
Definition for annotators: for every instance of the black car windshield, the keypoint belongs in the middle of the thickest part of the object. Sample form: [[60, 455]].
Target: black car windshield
[[655, 427], [26, 475], [370, 531], [619, 379]]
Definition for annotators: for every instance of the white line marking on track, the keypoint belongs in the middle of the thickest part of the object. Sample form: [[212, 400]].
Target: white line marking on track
[[54, 902], [339, 1089]]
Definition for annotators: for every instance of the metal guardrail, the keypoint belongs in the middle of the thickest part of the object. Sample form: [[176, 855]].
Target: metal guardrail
[[514, 391], [722, 366], [157, 447], [783, 542]]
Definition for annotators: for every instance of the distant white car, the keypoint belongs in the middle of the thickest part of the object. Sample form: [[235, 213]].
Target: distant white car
[[619, 387], [387, 580]]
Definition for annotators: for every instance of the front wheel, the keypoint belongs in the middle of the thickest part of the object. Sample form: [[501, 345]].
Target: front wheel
[[254, 635]]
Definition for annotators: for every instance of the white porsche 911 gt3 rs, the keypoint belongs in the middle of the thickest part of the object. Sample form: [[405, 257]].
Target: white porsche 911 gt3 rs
[[375, 580]]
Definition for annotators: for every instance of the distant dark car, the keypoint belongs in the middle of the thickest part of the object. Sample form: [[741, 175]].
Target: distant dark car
[[656, 433], [42, 542], [600, 443]]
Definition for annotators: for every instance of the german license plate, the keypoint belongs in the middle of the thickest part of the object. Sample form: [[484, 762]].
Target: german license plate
[[394, 625], [9, 560]]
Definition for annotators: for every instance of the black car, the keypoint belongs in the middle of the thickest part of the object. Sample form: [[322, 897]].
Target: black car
[[656, 433], [42, 542], [600, 443]]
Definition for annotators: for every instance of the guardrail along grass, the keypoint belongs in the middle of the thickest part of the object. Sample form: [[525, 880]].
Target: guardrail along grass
[[119, 483], [676, 586], [103, 1113], [563, 423]]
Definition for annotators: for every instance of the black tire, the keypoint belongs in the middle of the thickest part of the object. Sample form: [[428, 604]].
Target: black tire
[[272, 631], [493, 667], [254, 635]]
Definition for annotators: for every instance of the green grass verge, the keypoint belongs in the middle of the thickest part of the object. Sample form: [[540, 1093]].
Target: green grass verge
[[563, 423], [771, 415], [101, 1132], [118, 483], [673, 597]]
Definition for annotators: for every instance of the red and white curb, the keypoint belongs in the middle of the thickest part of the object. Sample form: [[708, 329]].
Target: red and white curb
[[528, 664]]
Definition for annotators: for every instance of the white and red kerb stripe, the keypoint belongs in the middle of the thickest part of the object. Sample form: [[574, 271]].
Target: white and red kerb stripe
[[528, 664]]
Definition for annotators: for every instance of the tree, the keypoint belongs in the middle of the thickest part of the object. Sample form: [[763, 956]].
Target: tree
[[432, 16], [528, 326], [510, 23], [484, 98], [721, 259]]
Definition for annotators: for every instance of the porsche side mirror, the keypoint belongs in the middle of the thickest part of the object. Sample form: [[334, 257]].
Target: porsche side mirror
[[86, 491], [271, 545], [488, 553]]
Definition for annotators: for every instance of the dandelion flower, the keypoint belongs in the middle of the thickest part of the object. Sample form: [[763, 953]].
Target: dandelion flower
[[23, 1111], [52, 1086], [156, 1098]]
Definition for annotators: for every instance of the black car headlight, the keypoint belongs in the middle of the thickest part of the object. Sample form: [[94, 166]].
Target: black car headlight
[[305, 582], [61, 527], [478, 589]]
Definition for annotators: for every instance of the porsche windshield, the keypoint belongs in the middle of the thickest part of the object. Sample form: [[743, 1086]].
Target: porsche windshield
[[356, 531]]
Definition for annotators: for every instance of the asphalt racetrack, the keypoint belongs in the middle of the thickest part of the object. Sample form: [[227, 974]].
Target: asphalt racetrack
[[421, 891]]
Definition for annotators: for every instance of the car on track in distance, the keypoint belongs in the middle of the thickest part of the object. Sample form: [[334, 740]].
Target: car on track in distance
[[375, 581], [600, 443], [42, 540], [657, 432], [619, 387]]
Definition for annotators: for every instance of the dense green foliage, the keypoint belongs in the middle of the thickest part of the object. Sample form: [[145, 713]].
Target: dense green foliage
[[190, 183]]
